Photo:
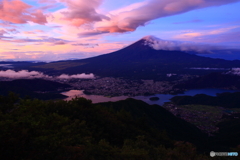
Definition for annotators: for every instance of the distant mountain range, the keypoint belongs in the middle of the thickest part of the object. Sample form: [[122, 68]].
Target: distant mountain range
[[140, 60], [34, 88], [212, 80]]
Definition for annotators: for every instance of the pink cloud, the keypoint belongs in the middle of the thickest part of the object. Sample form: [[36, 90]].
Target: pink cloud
[[198, 35], [132, 19], [6, 24], [13, 30], [22, 74], [46, 41], [2, 32], [59, 43], [16, 11], [85, 14], [33, 32], [82, 11]]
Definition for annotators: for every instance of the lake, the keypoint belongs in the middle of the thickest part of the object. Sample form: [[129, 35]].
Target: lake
[[163, 97], [95, 98]]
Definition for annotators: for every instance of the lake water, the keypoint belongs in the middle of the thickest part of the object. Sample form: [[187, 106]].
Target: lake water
[[95, 98], [163, 97]]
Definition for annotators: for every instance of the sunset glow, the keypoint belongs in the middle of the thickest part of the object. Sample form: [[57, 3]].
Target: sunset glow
[[51, 30]]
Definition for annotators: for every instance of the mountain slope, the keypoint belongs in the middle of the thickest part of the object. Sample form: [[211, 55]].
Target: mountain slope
[[157, 117], [139, 60]]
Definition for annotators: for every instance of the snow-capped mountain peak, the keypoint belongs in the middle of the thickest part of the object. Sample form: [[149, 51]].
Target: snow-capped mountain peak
[[159, 44], [150, 38]]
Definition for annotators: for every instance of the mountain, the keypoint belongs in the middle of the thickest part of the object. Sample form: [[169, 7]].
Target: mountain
[[18, 65], [141, 60], [157, 117], [228, 54]]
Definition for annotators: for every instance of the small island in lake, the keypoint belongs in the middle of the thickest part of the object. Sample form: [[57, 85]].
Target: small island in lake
[[154, 98]]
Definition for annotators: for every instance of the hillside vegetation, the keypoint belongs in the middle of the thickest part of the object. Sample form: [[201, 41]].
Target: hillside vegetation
[[77, 129]]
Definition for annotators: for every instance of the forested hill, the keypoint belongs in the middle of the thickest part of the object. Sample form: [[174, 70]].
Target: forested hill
[[158, 117], [77, 129]]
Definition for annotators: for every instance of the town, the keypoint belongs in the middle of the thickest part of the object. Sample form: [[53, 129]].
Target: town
[[109, 86]]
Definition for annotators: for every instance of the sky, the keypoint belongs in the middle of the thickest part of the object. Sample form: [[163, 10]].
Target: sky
[[51, 30]]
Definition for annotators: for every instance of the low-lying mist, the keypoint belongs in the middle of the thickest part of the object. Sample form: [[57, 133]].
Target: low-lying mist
[[25, 74]]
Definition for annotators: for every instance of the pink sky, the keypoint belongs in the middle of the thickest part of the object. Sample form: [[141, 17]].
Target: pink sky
[[62, 29]]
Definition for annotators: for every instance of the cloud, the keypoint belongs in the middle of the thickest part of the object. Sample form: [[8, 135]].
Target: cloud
[[13, 30], [2, 32], [25, 74], [132, 19], [78, 76], [7, 31], [33, 32], [85, 45], [49, 40], [192, 21], [6, 65], [159, 44], [22, 74], [18, 12], [224, 36], [59, 43], [81, 12], [209, 68], [232, 37], [91, 33], [234, 71], [6, 24], [47, 4]]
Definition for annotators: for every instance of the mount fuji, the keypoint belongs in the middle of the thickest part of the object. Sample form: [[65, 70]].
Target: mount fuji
[[148, 58]]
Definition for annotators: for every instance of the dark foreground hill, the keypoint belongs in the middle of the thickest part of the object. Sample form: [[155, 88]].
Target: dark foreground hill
[[77, 129], [158, 117], [139, 61]]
